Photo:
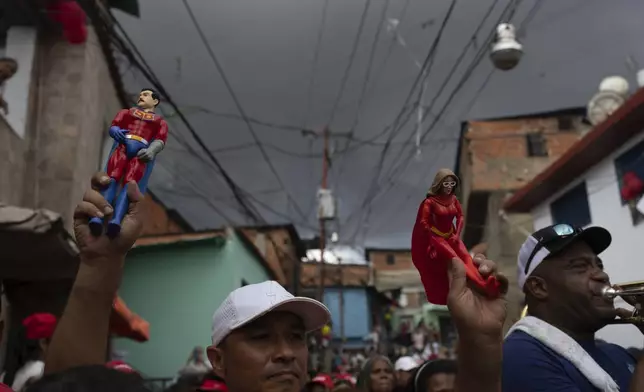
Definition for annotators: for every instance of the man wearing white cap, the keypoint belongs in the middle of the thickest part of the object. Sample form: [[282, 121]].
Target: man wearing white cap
[[404, 367], [259, 338], [553, 348]]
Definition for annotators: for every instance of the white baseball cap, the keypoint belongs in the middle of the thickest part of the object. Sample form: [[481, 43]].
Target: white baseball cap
[[250, 302], [553, 239], [405, 364]]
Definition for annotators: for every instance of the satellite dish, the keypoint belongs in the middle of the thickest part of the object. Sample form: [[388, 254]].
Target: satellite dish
[[612, 94], [615, 84]]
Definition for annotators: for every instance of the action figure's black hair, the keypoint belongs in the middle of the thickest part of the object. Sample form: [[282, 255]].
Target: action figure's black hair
[[155, 95]]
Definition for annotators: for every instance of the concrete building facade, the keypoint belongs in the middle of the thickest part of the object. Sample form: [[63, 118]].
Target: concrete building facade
[[61, 101]]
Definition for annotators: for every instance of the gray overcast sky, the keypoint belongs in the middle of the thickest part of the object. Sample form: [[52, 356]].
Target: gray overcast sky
[[267, 49]]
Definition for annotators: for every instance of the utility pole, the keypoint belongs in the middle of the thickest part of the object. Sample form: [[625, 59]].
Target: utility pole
[[325, 172], [325, 352], [341, 281]]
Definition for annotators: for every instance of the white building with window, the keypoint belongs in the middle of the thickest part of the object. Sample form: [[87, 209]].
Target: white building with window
[[583, 188]]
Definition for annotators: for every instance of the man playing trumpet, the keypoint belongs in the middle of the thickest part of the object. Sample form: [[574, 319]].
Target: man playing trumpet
[[553, 348]]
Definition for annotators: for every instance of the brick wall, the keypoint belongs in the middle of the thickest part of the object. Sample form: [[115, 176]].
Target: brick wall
[[390, 260], [277, 246], [335, 275], [157, 219], [71, 100], [416, 299], [496, 152]]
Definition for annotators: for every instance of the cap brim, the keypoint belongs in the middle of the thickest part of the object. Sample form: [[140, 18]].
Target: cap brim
[[313, 313], [598, 238]]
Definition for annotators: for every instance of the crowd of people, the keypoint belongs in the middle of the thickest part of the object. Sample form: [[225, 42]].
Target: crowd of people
[[260, 331]]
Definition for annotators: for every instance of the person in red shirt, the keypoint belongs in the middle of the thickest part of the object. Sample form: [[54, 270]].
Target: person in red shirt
[[38, 330], [436, 240], [320, 383], [139, 135]]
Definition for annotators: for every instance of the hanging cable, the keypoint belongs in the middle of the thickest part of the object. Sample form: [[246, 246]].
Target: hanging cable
[[240, 108], [347, 71]]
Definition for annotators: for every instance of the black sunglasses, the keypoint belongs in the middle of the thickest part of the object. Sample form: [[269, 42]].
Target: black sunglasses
[[556, 232]]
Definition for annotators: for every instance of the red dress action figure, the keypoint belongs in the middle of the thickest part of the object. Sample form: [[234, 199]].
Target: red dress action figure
[[436, 240], [139, 135]]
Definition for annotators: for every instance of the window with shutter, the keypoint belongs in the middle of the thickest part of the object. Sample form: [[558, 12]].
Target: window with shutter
[[536, 144], [572, 207]]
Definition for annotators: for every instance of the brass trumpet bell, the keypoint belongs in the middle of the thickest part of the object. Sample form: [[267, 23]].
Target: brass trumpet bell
[[629, 289], [625, 289]]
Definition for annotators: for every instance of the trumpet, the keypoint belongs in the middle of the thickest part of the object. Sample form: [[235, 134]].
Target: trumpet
[[630, 289], [611, 292]]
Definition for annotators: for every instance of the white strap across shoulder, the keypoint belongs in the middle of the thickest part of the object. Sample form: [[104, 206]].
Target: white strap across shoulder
[[567, 347]]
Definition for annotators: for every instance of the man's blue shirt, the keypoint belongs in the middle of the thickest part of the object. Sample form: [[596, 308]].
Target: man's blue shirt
[[530, 366]]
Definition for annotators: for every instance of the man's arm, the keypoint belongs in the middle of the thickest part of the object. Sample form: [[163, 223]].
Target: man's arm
[[479, 322], [479, 363], [81, 336], [83, 330]]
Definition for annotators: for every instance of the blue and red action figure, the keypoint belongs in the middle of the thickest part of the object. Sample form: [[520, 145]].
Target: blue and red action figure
[[139, 135]]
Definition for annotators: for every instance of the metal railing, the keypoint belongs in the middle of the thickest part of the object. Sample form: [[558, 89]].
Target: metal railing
[[157, 384]]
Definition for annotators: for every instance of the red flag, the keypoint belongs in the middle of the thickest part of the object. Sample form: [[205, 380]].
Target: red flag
[[632, 186], [72, 18]]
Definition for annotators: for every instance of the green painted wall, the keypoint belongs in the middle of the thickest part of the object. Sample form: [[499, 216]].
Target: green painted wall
[[176, 288]]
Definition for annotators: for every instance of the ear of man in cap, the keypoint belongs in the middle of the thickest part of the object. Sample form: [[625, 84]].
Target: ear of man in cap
[[259, 337]]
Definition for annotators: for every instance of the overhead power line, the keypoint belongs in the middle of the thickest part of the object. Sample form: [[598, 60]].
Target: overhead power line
[[365, 84], [388, 182], [422, 76], [347, 71], [316, 55], [240, 108]]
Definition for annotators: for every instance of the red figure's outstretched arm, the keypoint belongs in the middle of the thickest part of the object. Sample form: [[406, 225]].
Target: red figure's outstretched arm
[[459, 218]]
